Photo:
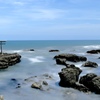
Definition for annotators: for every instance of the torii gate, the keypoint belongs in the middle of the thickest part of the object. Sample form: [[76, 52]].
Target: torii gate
[[1, 43]]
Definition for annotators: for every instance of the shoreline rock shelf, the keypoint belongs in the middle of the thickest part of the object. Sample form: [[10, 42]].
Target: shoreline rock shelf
[[7, 59]]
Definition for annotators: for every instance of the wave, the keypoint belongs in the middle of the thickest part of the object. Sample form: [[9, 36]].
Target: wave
[[92, 47], [13, 51], [36, 59]]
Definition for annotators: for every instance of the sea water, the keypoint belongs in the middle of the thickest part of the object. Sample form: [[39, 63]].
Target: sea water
[[40, 62]]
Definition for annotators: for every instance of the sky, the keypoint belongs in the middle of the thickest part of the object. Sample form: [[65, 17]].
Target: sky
[[49, 19]]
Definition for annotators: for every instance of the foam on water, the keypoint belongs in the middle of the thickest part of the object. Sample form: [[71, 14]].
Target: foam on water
[[92, 47], [36, 59], [40, 62]]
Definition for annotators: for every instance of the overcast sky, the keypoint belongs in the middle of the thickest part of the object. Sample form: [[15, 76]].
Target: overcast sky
[[49, 19]]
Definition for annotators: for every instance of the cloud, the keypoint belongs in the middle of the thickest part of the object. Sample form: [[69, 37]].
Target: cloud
[[46, 14]]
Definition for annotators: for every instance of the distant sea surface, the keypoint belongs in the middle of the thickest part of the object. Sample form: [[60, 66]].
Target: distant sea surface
[[40, 62]]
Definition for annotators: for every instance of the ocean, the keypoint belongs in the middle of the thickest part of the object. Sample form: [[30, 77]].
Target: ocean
[[39, 64]]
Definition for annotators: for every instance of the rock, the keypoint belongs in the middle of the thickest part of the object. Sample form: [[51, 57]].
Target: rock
[[13, 79], [94, 51], [71, 57], [69, 76], [98, 57], [36, 85], [7, 60], [53, 50], [45, 83], [31, 49], [61, 61], [70, 65], [1, 97], [95, 85], [90, 64], [91, 81], [80, 87]]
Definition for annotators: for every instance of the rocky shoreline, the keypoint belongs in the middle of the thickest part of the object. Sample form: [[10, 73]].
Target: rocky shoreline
[[7, 59], [69, 75]]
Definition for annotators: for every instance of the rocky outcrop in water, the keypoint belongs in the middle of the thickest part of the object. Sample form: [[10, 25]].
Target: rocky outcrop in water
[[7, 60], [90, 64], [53, 50], [92, 82], [94, 51], [61, 61], [70, 57], [69, 76], [36, 85]]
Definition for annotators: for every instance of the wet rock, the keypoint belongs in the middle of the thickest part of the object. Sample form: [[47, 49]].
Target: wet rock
[[45, 83], [53, 50], [80, 87], [61, 61], [13, 79], [7, 60], [98, 57], [91, 81], [90, 64], [36, 85], [94, 51], [1, 97], [31, 49], [69, 76], [71, 57], [70, 65], [95, 85]]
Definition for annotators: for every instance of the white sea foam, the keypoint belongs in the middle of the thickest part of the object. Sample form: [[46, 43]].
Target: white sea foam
[[92, 47], [13, 51], [36, 59]]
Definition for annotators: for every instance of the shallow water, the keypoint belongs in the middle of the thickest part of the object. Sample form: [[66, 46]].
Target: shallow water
[[40, 62]]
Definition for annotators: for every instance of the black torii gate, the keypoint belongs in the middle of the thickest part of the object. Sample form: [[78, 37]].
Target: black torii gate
[[1, 43]]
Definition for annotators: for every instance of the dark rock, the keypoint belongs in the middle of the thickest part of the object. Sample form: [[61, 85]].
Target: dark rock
[[61, 61], [31, 49], [94, 51], [80, 87], [45, 83], [86, 79], [53, 50], [13, 79], [70, 65], [98, 57], [95, 85], [7, 60], [69, 76], [90, 64], [91, 81], [36, 85], [71, 57]]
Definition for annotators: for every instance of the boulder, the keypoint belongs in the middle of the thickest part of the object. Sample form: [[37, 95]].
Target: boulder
[[86, 79], [61, 61], [94, 51], [80, 87], [1, 97], [90, 64], [53, 50], [7, 60], [69, 76], [95, 85], [91, 81], [44, 83], [36, 85], [31, 49], [71, 57]]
